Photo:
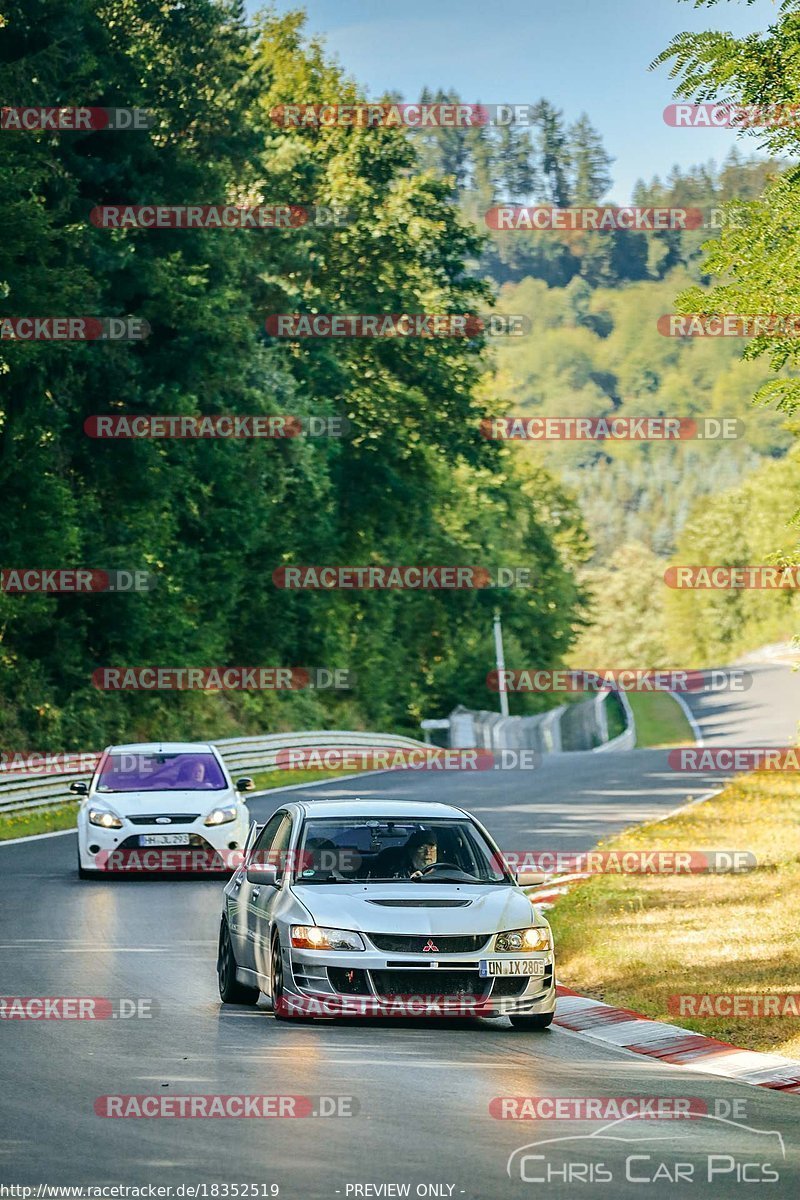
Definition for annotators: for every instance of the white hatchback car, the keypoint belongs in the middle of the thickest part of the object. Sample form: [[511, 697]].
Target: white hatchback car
[[161, 806]]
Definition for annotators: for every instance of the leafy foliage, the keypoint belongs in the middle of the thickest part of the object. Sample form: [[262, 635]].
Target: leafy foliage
[[414, 483]]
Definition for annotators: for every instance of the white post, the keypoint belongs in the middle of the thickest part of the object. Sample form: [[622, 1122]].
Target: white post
[[501, 663]]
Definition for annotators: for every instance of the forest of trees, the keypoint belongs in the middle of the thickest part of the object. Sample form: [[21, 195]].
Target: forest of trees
[[413, 483], [594, 349]]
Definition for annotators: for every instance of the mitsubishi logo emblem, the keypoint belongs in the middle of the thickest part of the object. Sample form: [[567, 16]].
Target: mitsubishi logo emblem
[[430, 946]]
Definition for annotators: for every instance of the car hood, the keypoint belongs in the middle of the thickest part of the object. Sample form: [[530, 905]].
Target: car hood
[[132, 804], [352, 906]]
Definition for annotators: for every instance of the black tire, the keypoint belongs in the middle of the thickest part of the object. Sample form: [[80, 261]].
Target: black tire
[[231, 991], [534, 1021], [86, 872], [279, 1009]]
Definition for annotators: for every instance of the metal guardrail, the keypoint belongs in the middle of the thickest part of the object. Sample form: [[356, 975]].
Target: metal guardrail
[[28, 790], [582, 726]]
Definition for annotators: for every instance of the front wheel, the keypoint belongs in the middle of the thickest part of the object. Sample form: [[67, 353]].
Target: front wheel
[[86, 872], [534, 1021], [231, 991], [281, 1009]]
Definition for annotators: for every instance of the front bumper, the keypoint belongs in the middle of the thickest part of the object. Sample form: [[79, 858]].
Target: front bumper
[[367, 981], [212, 848]]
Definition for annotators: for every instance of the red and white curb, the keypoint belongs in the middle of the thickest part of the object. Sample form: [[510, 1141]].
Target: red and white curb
[[629, 1030], [545, 895]]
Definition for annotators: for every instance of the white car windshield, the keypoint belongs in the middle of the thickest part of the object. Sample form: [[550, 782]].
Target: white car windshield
[[396, 849], [160, 772]]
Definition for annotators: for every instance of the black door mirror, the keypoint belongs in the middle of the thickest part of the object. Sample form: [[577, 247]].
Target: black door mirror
[[79, 788], [261, 873], [245, 784]]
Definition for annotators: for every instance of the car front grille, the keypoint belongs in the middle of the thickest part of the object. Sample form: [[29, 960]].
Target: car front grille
[[507, 986], [468, 943], [435, 983], [164, 819]]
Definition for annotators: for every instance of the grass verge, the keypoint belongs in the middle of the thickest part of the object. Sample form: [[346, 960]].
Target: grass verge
[[635, 940], [660, 720], [39, 820]]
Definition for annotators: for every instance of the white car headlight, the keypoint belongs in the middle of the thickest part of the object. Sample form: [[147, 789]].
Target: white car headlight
[[311, 937], [524, 941], [222, 815], [106, 818]]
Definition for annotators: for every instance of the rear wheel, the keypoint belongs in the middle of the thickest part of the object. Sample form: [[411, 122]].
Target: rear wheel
[[534, 1021], [231, 991]]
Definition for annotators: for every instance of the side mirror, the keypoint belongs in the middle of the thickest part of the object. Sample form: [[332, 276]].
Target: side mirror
[[79, 788], [261, 873], [245, 784]]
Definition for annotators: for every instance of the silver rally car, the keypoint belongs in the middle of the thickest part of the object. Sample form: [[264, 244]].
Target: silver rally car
[[382, 907]]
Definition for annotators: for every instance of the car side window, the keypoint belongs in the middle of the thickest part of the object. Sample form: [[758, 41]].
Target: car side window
[[260, 851], [277, 851]]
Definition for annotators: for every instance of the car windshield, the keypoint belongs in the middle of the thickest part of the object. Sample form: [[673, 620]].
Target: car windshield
[[396, 849], [160, 772]]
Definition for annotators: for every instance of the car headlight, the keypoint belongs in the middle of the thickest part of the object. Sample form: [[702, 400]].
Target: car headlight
[[311, 937], [106, 818], [524, 941], [222, 816]]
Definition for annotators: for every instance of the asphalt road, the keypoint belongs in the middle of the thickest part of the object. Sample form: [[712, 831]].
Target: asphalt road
[[423, 1090]]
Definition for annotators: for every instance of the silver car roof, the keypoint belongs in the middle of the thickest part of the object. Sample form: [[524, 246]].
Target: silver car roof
[[413, 810]]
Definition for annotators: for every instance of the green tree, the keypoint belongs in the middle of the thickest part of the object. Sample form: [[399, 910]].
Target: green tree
[[589, 163], [553, 154]]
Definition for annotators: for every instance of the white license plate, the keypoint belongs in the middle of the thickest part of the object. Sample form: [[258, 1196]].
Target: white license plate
[[164, 839], [511, 966]]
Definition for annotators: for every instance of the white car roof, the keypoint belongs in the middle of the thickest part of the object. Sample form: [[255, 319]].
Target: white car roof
[[161, 748], [411, 810]]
